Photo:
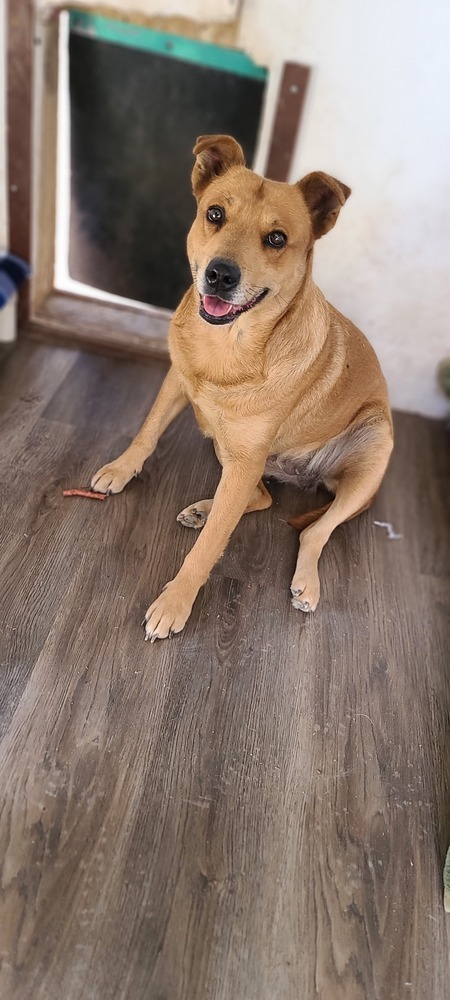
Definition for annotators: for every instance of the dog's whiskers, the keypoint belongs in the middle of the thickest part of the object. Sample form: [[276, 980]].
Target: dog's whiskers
[[284, 303]]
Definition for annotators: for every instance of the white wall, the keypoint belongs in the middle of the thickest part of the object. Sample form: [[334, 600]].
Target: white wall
[[378, 118]]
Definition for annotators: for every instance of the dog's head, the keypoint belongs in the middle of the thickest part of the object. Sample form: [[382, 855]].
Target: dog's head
[[252, 237]]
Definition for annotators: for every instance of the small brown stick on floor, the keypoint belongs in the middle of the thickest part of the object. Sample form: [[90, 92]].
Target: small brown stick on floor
[[85, 493]]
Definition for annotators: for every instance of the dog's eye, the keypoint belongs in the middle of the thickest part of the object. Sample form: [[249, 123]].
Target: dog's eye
[[276, 239], [215, 214]]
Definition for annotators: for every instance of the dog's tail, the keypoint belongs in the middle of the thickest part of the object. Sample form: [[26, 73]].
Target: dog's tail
[[304, 520]]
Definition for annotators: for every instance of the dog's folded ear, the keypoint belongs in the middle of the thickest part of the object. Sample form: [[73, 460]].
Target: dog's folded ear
[[324, 197], [214, 155]]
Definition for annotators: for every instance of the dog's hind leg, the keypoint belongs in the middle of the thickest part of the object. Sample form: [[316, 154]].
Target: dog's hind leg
[[356, 488], [196, 515], [303, 521]]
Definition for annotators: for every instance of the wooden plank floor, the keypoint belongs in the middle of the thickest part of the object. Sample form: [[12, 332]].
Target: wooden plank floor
[[257, 809]]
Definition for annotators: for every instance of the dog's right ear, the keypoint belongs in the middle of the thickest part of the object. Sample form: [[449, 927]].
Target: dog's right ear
[[214, 155]]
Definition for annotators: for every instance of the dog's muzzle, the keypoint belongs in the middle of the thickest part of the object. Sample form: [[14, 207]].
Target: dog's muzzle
[[216, 310], [222, 278]]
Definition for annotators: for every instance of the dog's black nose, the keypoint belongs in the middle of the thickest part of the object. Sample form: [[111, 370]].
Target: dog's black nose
[[222, 276]]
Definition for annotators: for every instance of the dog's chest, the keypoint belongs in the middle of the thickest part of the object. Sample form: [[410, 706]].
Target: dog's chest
[[221, 411], [212, 416], [206, 421]]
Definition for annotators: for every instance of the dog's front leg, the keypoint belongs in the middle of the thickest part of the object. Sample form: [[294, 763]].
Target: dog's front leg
[[169, 613], [168, 404]]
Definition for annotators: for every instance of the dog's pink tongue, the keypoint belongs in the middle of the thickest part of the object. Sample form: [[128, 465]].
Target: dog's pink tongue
[[215, 306]]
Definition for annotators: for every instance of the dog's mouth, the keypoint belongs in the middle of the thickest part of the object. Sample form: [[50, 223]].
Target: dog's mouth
[[216, 310]]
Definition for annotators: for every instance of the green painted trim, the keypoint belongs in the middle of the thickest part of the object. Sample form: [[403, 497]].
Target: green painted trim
[[165, 44]]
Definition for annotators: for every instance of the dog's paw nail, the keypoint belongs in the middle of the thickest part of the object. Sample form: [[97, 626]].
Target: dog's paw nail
[[144, 621], [301, 605]]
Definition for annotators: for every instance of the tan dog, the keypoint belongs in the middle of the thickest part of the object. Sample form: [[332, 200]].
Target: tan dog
[[283, 384]]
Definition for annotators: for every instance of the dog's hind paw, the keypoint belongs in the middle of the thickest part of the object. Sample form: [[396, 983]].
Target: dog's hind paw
[[299, 604], [196, 515], [305, 598]]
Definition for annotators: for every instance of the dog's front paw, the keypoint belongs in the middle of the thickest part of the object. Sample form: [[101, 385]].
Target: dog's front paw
[[169, 613], [114, 477]]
